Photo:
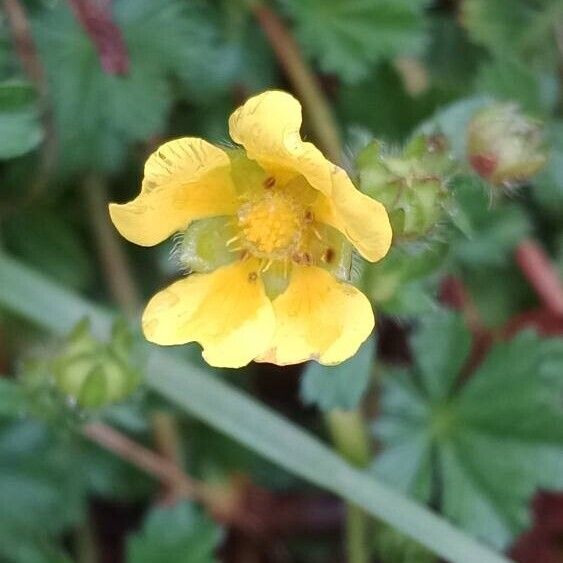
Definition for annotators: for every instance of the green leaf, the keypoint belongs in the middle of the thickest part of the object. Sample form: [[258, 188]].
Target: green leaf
[[492, 231], [44, 238], [523, 28], [508, 79], [382, 104], [19, 121], [15, 94], [497, 440], [338, 387], [405, 283], [41, 493], [28, 293], [348, 36], [179, 533], [12, 399], [439, 365], [548, 188], [98, 116]]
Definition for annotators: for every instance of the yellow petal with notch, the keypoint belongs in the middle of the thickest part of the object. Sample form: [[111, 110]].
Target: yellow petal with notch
[[318, 318], [267, 126], [185, 179], [226, 311]]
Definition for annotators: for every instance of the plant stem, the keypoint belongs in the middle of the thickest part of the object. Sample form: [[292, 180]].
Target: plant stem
[[26, 49], [536, 266], [85, 542], [159, 467], [166, 436], [303, 79], [351, 440], [114, 261]]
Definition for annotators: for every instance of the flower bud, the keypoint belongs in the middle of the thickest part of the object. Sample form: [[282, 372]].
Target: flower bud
[[410, 185], [94, 373], [504, 146]]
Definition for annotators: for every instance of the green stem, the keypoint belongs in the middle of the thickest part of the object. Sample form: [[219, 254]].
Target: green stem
[[85, 543], [303, 80], [357, 524], [119, 278], [351, 440]]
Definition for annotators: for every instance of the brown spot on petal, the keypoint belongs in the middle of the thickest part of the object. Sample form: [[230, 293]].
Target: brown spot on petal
[[252, 277], [269, 182]]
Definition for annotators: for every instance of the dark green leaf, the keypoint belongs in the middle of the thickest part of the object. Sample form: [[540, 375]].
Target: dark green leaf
[[348, 36], [440, 361], [339, 387], [523, 28], [45, 239], [12, 399], [497, 440], [492, 231], [15, 94], [508, 79], [21, 132], [178, 534], [99, 115]]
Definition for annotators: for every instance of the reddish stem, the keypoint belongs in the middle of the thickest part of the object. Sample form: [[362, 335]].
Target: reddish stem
[[96, 19], [542, 275]]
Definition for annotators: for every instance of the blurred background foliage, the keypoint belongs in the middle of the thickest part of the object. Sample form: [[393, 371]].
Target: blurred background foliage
[[461, 393]]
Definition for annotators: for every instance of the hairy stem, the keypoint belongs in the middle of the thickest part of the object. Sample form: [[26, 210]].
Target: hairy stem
[[303, 80]]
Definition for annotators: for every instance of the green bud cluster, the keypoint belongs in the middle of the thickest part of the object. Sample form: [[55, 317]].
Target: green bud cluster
[[411, 185], [94, 373], [504, 146]]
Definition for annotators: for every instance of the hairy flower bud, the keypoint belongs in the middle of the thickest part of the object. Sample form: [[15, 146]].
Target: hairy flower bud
[[410, 185], [504, 146], [95, 373]]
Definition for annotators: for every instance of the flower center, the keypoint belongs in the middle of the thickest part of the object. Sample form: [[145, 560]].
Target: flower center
[[272, 226]]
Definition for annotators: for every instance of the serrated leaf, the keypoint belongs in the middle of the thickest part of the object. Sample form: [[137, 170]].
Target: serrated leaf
[[99, 115], [523, 28], [439, 365], [338, 387], [348, 36], [179, 533], [497, 440]]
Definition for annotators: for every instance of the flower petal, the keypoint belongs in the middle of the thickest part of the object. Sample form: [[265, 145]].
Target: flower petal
[[318, 318], [268, 127], [226, 311], [361, 219], [185, 179]]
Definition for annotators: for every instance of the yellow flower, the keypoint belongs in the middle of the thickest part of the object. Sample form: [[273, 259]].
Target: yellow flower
[[274, 291]]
